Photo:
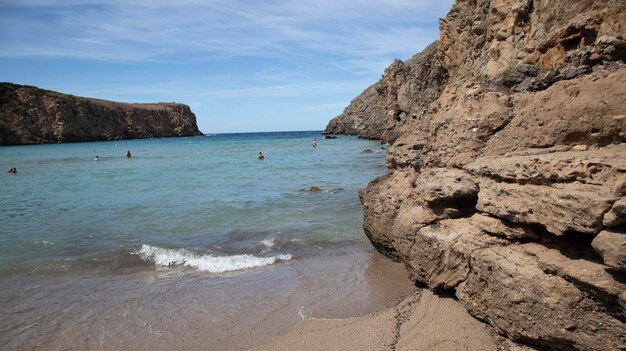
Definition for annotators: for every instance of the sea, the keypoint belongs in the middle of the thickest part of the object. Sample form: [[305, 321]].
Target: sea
[[191, 243]]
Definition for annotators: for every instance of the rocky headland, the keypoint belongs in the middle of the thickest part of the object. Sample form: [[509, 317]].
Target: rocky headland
[[506, 182], [29, 115]]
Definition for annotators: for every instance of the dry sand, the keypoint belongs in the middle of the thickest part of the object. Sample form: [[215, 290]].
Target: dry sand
[[422, 321]]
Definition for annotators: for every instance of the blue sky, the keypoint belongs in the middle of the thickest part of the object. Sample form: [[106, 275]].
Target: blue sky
[[242, 65]]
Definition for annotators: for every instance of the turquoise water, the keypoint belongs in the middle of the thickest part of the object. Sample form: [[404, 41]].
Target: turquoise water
[[203, 202]]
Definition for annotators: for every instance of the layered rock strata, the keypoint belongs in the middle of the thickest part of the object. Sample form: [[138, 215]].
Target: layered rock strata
[[506, 180], [29, 115]]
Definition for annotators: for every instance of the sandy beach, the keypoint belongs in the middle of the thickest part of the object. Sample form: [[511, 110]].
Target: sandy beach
[[180, 309], [421, 321]]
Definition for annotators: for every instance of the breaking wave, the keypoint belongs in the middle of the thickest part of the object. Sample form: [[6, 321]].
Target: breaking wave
[[269, 243], [206, 263]]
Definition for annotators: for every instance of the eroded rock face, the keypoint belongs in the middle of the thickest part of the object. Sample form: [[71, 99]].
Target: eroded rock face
[[507, 187], [522, 294], [405, 90], [29, 115]]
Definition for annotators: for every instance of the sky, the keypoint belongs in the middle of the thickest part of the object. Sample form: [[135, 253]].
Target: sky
[[241, 65]]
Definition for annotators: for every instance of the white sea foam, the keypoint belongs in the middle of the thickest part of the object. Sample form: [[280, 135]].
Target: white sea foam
[[206, 263], [269, 243]]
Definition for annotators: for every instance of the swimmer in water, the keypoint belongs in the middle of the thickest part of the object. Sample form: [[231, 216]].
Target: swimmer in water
[[260, 157], [128, 155]]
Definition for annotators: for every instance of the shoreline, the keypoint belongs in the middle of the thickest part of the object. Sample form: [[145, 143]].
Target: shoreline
[[420, 321], [166, 308]]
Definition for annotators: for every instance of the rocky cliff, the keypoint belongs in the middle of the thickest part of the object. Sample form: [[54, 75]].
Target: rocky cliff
[[506, 180], [29, 115]]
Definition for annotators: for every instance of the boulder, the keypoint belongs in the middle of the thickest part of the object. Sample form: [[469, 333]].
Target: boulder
[[611, 245], [617, 215]]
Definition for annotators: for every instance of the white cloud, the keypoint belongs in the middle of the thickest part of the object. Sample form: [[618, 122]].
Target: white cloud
[[273, 59], [189, 29]]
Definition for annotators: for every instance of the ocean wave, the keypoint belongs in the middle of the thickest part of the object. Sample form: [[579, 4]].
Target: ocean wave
[[206, 263], [269, 243]]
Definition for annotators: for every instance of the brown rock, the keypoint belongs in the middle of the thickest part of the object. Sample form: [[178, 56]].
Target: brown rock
[[617, 215], [312, 189], [381, 200], [611, 245], [504, 229], [521, 128], [439, 254], [589, 277], [446, 185], [404, 89], [604, 167], [29, 115], [563, 208], [508, 288]]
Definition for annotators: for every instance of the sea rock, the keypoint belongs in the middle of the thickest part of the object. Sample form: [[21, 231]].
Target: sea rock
[[312, 189], [382, 199], [29, 115], [509, 173]]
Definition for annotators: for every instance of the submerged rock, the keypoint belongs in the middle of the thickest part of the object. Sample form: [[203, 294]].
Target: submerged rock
[[312, 189]]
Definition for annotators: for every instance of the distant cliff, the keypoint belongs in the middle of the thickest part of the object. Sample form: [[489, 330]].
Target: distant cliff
[[506, 180], [29, 115]]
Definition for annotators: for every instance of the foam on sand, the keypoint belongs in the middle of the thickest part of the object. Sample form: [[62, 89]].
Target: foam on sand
[[206, 263]]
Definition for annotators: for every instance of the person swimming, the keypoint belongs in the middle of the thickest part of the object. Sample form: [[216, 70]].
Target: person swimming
[[12, 170], [314, 143], [260, 156], [97, 158], [128, 155]]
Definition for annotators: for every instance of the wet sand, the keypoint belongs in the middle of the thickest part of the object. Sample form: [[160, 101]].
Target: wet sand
[[422, 321], [165, 308]]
